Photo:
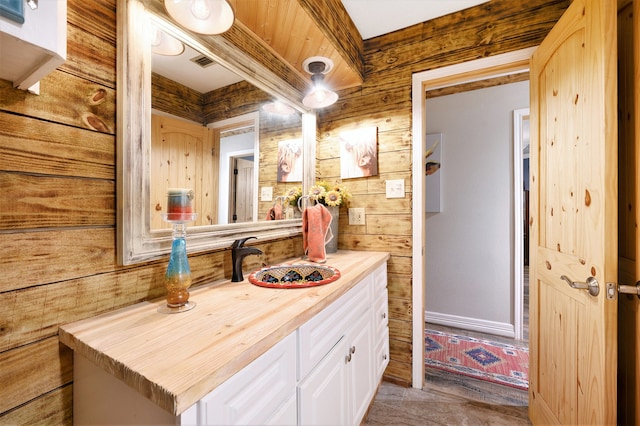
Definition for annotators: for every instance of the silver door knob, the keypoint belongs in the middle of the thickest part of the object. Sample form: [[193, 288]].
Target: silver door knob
[[591, 285]]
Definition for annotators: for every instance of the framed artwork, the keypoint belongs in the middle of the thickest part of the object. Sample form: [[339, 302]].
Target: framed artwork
[[359, 153], [290, 160], [433, 159]]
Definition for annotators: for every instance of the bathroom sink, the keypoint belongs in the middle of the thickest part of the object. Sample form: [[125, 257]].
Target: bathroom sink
[[294, 276]]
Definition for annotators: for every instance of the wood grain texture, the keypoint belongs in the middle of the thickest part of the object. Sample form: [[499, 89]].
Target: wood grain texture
[[295, 30], [54, 149], [53, 408], [53, 255], [64, 99], [45, 202], [97, 18], [233, 100], [90, 57], [233, 324], [574, 218], [335, 23], [176, 99], [33, 370]]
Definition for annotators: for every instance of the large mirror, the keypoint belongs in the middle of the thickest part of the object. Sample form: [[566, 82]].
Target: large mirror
[[210, 136]]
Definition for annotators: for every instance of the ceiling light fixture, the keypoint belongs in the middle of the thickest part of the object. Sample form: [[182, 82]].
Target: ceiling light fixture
[[164, 44], [202, 16], [279, 108], [320, 96]]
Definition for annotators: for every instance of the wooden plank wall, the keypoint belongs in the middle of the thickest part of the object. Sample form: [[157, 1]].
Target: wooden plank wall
[[57, 204], [384, 100], [57, 221]]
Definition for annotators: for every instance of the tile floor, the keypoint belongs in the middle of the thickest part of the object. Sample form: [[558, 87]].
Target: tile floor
[[437, 405]]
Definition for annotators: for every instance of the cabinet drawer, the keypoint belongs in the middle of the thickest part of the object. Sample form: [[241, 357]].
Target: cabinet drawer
[[381, 355], [379, 278], [381, 312], [255, 393], [317, 336]]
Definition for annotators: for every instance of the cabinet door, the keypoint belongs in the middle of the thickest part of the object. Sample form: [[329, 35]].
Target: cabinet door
[[323, 394], [255, 393], [322, 332], [381, 358], [361, 368], [287, 414]]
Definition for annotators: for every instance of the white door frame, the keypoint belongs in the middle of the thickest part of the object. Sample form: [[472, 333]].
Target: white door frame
[[480, 69]]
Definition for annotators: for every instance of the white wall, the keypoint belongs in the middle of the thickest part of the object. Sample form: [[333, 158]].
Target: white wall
[[469, 249]]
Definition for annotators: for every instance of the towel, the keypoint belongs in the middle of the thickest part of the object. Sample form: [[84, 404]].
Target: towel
[[316, 232], [275, 213]]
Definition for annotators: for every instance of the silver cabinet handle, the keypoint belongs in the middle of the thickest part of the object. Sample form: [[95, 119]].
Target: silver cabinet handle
[[591, 285]]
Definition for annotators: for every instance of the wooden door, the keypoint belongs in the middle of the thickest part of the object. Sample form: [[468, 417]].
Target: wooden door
[[573, 340], [183, 155], [244, 190]]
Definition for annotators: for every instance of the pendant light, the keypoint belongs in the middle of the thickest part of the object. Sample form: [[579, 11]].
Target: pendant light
[[164, 44], [278, 108], [202, 16], [320, 96]]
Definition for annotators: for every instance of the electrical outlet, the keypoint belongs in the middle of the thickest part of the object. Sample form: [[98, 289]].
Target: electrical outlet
[[266, 193], [395, 188], [356, 216]]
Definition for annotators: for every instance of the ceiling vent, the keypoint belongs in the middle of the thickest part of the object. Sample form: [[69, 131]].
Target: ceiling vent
[[202, 60]]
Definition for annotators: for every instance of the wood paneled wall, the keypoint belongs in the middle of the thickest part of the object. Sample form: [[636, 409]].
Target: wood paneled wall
[[57, 221], [57, 204], [384, 100]]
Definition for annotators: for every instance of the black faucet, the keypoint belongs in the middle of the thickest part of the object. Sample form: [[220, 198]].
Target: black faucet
[[238, 253]]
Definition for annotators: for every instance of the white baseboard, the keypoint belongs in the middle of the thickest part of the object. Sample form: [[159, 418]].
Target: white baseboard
[[473, 324]]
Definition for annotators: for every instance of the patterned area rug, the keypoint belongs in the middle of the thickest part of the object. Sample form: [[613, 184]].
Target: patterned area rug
[[495, 362]]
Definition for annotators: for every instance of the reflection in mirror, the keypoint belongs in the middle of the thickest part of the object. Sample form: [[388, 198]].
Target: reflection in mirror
[[238, 167], [191, 147], [191, 136]]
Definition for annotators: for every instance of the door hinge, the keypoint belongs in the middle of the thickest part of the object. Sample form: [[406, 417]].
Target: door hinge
[[613, 289]]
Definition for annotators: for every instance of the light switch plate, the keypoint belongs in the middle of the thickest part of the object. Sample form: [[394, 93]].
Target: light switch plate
[[266, 193], [395, 188], [356, 216]]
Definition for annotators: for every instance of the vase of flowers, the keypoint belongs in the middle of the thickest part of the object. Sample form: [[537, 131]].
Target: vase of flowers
[[291, 200], [332, 197]]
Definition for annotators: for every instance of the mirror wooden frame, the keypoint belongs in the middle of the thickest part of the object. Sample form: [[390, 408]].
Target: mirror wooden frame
[[135, 241]]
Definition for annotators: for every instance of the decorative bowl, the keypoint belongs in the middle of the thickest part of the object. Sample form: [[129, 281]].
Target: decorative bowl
[[294, 276]]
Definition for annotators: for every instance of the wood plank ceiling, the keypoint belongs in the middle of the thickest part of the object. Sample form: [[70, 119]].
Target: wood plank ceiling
[[294, 30]]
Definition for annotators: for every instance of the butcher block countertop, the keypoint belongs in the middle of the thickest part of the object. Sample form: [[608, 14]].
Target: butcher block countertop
[[176, 359]]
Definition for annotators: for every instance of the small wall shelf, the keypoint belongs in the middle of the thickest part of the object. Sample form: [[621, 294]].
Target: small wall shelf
[[33, 49]]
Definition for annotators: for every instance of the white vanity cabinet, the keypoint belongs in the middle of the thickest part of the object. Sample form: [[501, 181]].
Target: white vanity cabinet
[[324, 371], [262, 393], [381, 320], [338, 388]]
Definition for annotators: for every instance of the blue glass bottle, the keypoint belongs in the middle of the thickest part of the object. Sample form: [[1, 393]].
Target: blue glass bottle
[[177, 279]]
